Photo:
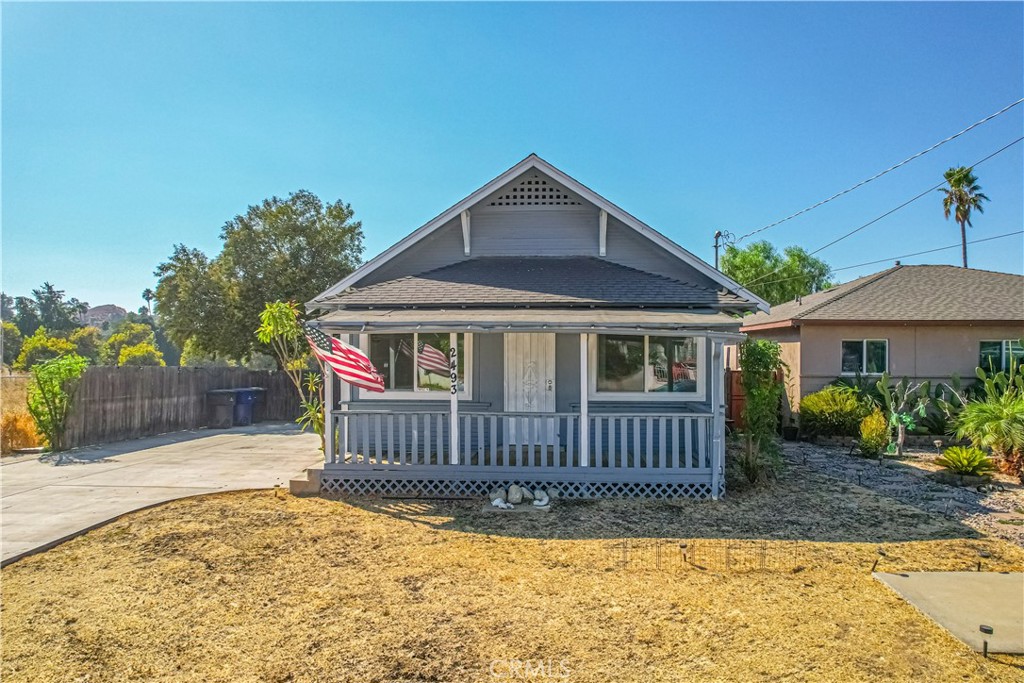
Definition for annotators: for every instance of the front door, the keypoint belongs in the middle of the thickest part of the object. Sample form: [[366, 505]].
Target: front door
[[529, 381]]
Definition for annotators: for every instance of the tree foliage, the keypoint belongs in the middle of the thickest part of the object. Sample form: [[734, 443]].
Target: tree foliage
[[11, 342], [776, 277], [961, 196], [50, 393], [88, 342], [47, 307], [127, 334], [42, 347], [280, 250], [141, 354], [281, 329]]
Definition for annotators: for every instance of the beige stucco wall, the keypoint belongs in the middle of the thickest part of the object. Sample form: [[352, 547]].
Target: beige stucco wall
[[932, 352], [789, 343]]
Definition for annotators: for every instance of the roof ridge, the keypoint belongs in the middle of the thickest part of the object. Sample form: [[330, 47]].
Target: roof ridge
[[871, 279]]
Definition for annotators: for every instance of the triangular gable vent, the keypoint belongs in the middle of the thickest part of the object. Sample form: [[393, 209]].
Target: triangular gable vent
[[535, 190]]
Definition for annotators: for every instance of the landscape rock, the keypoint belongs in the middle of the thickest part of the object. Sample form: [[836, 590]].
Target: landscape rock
[[515, 494], [498, 493], [527, 494]]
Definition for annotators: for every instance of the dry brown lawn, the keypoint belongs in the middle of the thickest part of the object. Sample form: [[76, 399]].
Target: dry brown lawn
[[251, 587]]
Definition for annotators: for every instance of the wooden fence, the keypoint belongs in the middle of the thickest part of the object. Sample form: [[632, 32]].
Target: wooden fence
[[118, 403]]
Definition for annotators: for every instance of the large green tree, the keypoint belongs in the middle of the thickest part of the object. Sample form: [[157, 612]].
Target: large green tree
[[282, 249], [961, 196], [47, 307], [776, 277]]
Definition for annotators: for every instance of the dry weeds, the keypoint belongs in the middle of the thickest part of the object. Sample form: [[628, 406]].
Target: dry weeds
[[250, 587]]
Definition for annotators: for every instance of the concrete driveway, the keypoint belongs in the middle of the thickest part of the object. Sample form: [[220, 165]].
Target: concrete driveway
[[46, 500]]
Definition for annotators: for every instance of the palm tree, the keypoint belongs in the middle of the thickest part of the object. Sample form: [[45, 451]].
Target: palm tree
[[961, 197], [149, 295]]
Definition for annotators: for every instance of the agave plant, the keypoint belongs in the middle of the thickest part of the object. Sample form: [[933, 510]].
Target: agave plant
[[966, 461]]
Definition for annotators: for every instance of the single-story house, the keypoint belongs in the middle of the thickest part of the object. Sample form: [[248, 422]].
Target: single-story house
[[923, 322], [585, 352]]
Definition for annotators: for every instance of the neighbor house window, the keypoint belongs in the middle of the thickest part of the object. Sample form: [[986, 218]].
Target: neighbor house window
[[865, 356], [648, 365], [415, 362], [996, 355]]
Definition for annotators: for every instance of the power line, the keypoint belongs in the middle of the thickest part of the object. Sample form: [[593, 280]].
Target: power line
[[902, 256], [887, 213], [882, 173]]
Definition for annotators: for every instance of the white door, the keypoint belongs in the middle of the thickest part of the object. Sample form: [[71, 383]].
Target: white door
[[529, 382]]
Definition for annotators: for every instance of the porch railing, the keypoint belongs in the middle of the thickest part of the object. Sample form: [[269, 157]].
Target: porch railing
[[646, 443]]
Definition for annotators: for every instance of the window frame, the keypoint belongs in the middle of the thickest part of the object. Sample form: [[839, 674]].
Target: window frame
[[698, 396], [1005, 346], [864, 358], [417, 394]]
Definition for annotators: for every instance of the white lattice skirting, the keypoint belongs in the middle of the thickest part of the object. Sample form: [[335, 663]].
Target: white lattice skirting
[[458, 488]]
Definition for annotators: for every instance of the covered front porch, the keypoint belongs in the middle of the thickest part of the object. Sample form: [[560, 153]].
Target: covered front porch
[[591, 402]]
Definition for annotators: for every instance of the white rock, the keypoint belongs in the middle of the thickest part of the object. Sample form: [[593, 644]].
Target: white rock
[[515, 494], [538, 494], [542, 500], [498, 493]]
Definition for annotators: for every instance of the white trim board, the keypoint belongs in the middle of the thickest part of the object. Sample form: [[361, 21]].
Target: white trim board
[[535, 162]]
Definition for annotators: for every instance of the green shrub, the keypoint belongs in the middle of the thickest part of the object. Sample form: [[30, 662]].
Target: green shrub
[[966, 460], [760, 363], [11, 343], [874, 434], [50, 394], [996, 419], [833, 411]]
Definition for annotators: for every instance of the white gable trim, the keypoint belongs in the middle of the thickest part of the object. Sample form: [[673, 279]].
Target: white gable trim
[[535, 162]]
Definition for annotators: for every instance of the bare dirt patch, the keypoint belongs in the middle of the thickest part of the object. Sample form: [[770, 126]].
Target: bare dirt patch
[[251, 587]]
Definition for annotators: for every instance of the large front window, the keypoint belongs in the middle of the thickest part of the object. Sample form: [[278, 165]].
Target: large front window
[[996, 355], [647, 364], [865, 357], [415, 361]]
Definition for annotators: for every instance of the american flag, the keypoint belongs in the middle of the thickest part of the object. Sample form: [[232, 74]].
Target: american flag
[[348, 362], [429, 358]]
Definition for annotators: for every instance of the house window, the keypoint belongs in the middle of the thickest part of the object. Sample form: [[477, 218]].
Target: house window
[[415, 362], [865, 356], [668, 367], [996, 355]]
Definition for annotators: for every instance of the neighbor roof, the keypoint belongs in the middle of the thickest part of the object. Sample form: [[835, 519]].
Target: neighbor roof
[[908, 293], [530, 163], [546, 281]]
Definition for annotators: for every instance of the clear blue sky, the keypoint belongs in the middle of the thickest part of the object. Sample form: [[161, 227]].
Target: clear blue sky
[[130, 127]]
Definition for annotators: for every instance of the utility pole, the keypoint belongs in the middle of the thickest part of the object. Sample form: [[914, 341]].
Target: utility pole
[[721, 239]]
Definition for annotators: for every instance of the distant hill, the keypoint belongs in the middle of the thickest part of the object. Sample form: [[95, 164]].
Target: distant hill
[[107, 313]]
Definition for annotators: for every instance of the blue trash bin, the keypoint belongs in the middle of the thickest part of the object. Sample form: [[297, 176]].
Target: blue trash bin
[[244, 399]]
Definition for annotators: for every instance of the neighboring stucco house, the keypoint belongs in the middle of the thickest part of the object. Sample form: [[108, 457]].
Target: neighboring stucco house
[[585, 351], [923, 322]]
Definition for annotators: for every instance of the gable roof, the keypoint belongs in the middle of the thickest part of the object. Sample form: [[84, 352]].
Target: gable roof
[[568, 183], [908, 293], [501, 281]]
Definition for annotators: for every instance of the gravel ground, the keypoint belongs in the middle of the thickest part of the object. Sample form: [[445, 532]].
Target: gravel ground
[[998, 513]]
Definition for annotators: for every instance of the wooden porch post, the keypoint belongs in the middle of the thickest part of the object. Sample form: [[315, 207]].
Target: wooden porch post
[[584, 401], [453, 424], [718, 411], [328, 376]]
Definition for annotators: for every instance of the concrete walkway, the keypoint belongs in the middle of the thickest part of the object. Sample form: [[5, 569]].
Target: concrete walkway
[[46, 500], [961, 602]]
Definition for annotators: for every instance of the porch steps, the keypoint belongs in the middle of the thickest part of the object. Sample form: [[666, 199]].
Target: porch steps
[[308, 483]]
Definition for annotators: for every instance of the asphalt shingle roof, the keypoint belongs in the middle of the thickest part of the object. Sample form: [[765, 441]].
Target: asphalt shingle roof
[[535, 281], [910, 293]]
